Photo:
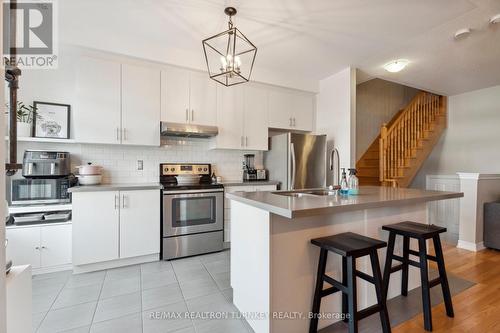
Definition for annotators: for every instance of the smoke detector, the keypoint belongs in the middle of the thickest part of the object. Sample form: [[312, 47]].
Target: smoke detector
[[463, 33], [495, 19]]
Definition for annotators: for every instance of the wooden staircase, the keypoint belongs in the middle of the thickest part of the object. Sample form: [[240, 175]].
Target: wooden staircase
[[396, 155]]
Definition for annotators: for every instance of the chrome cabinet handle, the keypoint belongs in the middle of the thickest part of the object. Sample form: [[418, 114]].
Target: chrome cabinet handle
[[123, 201], [292, 176], [37, 248], [192, 114], [293, 122], [246, 141], [44, 247], [187, 115], [242, 142], [124, 134], [117, 201], [290, 122]]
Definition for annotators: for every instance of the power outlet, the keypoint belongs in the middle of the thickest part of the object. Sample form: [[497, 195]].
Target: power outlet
[[140, 165]]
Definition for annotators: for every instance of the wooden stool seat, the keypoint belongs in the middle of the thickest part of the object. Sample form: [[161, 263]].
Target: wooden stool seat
[[350, 246], [422, 232], [414, 229]]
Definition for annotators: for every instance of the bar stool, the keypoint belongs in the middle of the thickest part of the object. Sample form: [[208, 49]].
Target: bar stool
[[350, 246], [421, 232]]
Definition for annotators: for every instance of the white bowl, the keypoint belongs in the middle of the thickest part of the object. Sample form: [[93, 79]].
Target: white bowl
[[89, 179]]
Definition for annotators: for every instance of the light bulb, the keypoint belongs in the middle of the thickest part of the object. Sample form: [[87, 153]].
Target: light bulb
[[237, 62]]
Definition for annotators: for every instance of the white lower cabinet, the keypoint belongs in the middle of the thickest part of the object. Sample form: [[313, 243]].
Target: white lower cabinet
[[139, 223], [227, 203], [112, 225], [42, 247]]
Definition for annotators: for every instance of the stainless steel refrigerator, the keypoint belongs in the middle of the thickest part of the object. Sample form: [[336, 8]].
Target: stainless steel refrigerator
[[298, 161]]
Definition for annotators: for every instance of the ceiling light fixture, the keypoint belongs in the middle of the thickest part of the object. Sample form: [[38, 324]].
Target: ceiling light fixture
[[396, 65], [229, 55], [463, 33], [495, 19]]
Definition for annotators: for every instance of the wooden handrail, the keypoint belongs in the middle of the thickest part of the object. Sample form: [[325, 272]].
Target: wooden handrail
[[399, 140]]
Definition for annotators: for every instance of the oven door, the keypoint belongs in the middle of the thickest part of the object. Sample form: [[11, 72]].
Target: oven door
[[39, 191], [192, 211]]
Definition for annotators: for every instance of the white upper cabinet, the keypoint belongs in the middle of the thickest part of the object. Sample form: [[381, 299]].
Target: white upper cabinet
[[141, 105], [242, 118], [229, 118], [117, 104], [175, 95], [202, 99], [255, 121], [188, 97], [98, 108], [292, 110]]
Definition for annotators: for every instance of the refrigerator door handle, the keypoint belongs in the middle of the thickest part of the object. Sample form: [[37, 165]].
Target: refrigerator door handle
[[292, 175]]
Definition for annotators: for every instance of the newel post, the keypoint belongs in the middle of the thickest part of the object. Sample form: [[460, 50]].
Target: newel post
[[383, 152]]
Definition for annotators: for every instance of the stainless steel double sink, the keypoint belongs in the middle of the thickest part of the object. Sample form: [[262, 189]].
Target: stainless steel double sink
[[302, 193]]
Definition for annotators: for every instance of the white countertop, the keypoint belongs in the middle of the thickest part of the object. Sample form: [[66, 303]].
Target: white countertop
[[309, 205], [249, 183]]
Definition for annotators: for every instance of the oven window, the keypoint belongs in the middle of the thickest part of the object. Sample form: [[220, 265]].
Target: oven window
[[193, 211]]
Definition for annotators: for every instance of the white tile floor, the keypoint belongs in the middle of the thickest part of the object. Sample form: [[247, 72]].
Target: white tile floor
[[138, 298]]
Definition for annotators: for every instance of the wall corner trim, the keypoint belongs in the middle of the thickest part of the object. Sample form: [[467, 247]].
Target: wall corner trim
[[474, 247]]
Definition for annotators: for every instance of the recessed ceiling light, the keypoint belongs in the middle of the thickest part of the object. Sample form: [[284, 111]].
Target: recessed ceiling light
[[495, 19], [396, 65], [462, 33]]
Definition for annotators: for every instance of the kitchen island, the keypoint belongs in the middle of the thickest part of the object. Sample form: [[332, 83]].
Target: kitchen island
[[273, 263]]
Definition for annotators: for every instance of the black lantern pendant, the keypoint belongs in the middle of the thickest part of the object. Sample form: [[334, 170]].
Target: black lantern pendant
[[230, 55]]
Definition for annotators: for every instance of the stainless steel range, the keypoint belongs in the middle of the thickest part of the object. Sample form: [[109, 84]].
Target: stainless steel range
[[192, 213]]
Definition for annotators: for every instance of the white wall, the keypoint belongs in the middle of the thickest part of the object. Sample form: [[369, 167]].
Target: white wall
[[471, 142], [336, 115], [377, 101]]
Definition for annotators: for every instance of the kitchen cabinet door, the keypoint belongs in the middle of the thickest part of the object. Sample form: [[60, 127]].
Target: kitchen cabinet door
[[98, 106], [280, 109], [95, 226], [229, 118], [202, 100], [175, 92], [55, 245], [23, 246], [255, 118], [141, 105], [139, 223], [303, 112]]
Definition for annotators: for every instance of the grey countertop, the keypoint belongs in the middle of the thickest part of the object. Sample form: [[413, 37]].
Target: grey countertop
[[368, 197], [249, 183], [115, 187]]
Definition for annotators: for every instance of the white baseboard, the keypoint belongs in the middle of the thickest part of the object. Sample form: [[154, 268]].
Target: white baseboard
[[475, 247], [115, 263]]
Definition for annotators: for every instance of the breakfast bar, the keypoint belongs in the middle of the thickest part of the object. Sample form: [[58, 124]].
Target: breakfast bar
[[273, 263]]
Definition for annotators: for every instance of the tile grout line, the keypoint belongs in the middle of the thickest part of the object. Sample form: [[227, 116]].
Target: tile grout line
[[183, 297], [98, 299], [52, 304]]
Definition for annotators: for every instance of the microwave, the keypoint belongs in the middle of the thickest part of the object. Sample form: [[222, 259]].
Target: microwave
[[30, 191]]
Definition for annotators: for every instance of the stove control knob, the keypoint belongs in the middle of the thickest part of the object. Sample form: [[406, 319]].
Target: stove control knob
[[205, 169], [199, 169], [172, 169]]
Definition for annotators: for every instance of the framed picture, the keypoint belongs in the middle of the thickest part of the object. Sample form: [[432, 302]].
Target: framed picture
[[51, 121]]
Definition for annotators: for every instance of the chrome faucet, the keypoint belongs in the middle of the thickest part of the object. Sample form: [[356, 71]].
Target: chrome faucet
[[335, 153]]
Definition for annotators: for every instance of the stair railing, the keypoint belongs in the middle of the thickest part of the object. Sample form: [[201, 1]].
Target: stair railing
[[399, 141]]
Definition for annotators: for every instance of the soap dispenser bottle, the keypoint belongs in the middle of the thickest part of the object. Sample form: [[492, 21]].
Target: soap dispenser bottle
[[353, 182], [344, 187]]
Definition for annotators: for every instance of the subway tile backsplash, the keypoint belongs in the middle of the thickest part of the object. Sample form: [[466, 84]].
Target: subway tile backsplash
[[120, 162]]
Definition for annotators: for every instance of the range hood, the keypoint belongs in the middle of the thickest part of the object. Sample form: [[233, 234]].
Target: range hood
[[188, 130]]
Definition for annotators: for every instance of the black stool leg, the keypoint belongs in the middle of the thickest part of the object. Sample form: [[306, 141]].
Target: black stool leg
[[404, 274], [424, 277], [388, 262], [344, 296], [313, 325], [352, 295], [377, 275], [442, 276]]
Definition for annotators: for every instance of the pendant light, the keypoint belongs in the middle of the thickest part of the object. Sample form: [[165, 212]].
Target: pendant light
[[229, 55]]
